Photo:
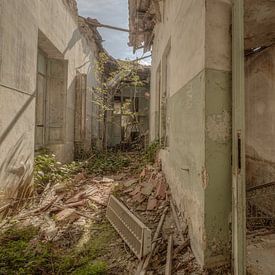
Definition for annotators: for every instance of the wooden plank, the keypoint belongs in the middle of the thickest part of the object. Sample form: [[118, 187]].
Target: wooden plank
[[56, 100], [176, 219], [169, 258], [143, 265]]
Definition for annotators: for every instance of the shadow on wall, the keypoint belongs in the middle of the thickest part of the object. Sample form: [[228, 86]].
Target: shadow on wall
[[76, 36], [16, 178], [16, 169], [15, 119]]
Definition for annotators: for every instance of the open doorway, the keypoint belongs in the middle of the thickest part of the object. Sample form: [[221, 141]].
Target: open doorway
[[253, 137], [260, 159], [50, 96]]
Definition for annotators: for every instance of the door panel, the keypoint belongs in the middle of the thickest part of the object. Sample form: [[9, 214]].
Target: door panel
[[40, 110], [80, 107], [56, 100]]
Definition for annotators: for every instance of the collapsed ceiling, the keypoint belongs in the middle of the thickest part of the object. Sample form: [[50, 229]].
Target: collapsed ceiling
[[143, 15], [91, 33], [259, 23]]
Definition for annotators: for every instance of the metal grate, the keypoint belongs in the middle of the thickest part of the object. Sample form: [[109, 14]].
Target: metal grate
[[261, 206], [131, 229]]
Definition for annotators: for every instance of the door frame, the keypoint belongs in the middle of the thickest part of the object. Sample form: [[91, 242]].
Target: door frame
[[39, 146], [238, 141]]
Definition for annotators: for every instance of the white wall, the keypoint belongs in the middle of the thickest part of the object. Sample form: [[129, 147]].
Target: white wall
[[20, 22]]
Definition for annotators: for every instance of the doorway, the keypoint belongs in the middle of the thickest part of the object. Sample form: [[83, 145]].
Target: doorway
[[40, 121], [50, 101], [253, 146]]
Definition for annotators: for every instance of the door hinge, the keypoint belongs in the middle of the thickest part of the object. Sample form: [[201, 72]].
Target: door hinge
[[239, 152]]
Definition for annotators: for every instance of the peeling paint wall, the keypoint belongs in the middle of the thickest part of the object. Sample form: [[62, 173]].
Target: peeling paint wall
[[218, 165], [197, 162], [218, 127], [20, 25]]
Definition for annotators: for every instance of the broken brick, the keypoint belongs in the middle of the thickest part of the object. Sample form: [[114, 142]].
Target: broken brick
[[147, 189], [152, 203], [60, 188], [79, 177], [130, 182], [68, 214], [136, 190], [107, 180], [161, 191], [138, 198], [143, 173]]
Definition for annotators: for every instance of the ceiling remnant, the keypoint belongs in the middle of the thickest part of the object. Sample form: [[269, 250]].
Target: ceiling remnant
[[259, 20], [143, 15]]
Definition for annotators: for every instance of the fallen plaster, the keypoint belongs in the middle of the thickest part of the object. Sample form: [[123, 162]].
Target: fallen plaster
[[205, 178]]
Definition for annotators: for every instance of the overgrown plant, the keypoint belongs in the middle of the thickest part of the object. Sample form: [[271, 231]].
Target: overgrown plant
[[22, 252], [112, 76], [151, 152], [48, 170], [107, 162]]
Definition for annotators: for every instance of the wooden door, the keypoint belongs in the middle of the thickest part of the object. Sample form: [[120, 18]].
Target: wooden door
[[40, 110]]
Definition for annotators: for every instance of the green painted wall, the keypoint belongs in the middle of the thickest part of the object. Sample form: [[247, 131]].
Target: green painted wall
[[218, 165], [197, 161]]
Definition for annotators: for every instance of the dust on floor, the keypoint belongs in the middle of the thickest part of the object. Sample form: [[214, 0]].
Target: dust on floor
[[70, 218], [261, 253]]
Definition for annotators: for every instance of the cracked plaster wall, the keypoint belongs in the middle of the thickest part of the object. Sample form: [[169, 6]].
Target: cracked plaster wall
[[197, 160]]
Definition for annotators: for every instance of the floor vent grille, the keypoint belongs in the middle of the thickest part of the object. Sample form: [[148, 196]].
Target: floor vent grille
[[131, 229]]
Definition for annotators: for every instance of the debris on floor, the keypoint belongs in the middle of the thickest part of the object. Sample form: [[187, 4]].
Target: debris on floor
[[66, 213], [261, 252], [136, 234], [147, 198]]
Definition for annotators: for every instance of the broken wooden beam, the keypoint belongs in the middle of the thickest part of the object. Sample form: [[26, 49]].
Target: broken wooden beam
[[95, 23], [169, 258], [176, 219], [143, 265]]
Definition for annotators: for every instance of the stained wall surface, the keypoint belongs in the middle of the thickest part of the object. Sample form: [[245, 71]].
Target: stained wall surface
[[196, 160], [260, 117], [24, 26]]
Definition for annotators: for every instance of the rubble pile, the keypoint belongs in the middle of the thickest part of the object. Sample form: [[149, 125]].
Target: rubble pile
[[64, 206], [148, 198], [65, 211]]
